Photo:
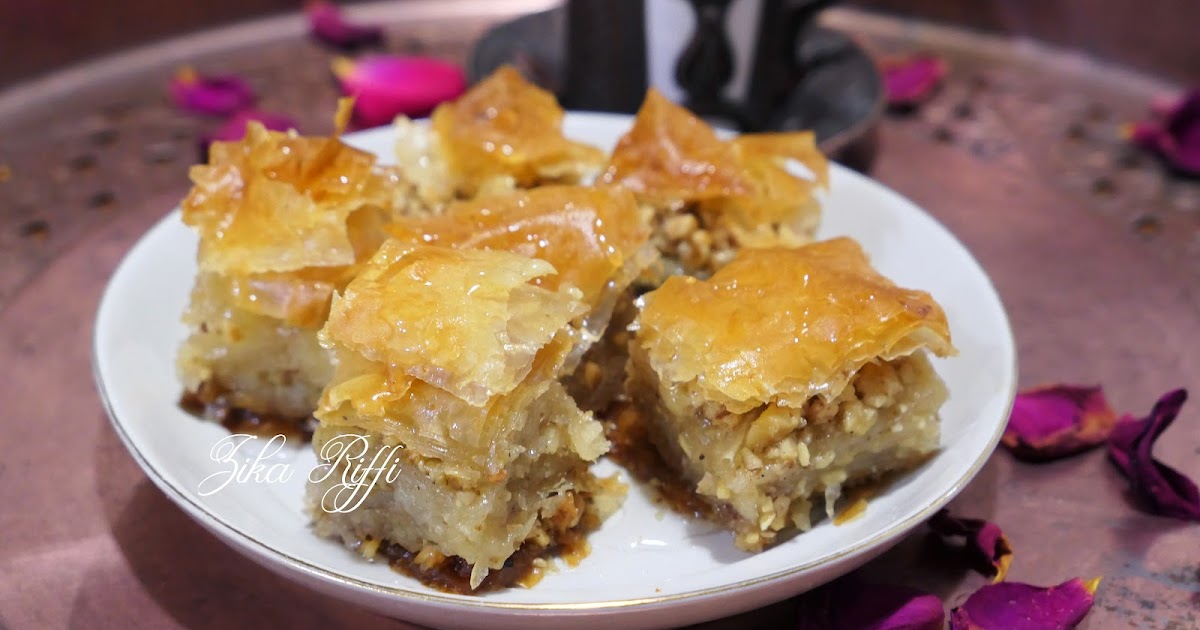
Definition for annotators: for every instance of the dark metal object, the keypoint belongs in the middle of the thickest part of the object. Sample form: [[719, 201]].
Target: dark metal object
[[607, 66], [770, 83], [837, 91], [705, 66]]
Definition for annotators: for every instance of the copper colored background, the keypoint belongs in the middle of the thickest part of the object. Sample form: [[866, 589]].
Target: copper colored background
[[1154, 35], [1093, 248]]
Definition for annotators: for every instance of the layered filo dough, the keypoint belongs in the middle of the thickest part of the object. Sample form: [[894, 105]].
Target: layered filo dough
[[448, 327], [502, 135], [593, 236], [449, 361], [284, 221], [788, 376], [706, 197]]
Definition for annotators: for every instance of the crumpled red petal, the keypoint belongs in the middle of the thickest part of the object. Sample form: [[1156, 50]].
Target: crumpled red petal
[[1016, 606], [387, 86], [986, 545], [910, 81], [1174, 133], [327, 24], [210, 95], [1162, 489], [848, 604], [1057, 421], [235, 128]]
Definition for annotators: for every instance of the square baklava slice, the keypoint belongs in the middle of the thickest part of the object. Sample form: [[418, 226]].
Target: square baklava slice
[[706, 197], [592, 236], [788, 376], [447, 381], [284, 220], [505, 133]]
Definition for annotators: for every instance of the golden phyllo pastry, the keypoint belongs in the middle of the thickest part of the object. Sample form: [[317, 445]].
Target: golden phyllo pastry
[[789, 375], [591, 235], [449, 359], [504, 133], [708, 196], [284, 221]]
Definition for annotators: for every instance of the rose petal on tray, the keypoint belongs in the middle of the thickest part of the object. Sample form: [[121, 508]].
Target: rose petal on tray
[[387, 86], [986, 545], [1174, 133], [327, 24], [235, 128], [1056, 421], [910, 81], [210, 95], [847, 604], [1163, 489], [1016, 606]]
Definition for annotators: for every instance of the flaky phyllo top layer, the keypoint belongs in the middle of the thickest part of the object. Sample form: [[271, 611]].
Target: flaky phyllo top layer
[[443, 350], [672, 157], [506, 127], [593, 237], [783, 325], [285, 219]]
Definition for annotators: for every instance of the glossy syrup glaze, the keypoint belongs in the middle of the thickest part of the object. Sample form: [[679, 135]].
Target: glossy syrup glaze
[[587, 234], [671, 156], [782, 324], [464, 320], [508, 127], [279, 202], [211, 402]]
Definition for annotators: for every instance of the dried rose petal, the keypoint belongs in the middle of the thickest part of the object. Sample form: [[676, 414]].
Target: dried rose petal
[[1165, 490], [848, 604], [1016, 606], [1174, 134], [327, 24], [213, 96], [1161, 105], [235, 128], [1056, 421], [987, 546], [385, 87], [909, 81]]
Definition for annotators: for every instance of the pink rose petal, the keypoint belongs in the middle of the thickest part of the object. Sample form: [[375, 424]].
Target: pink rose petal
[[1181, 142], [327, 24], [1144, 134], [987, 546], [848, 604], [1174, 134], [910, 81], [385, 86], [1056, 421], [234, 129], [1163, 489], [1162, 105], [213, 96], [1016, 606]]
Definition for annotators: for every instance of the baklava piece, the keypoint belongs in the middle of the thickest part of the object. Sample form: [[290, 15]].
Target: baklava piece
[[284, 221], [788, 376], [707, 197], [503, 134], [448, 363], [592, 236]]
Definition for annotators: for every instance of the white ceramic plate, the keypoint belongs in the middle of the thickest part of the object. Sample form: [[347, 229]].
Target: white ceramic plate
[[648, 567]]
